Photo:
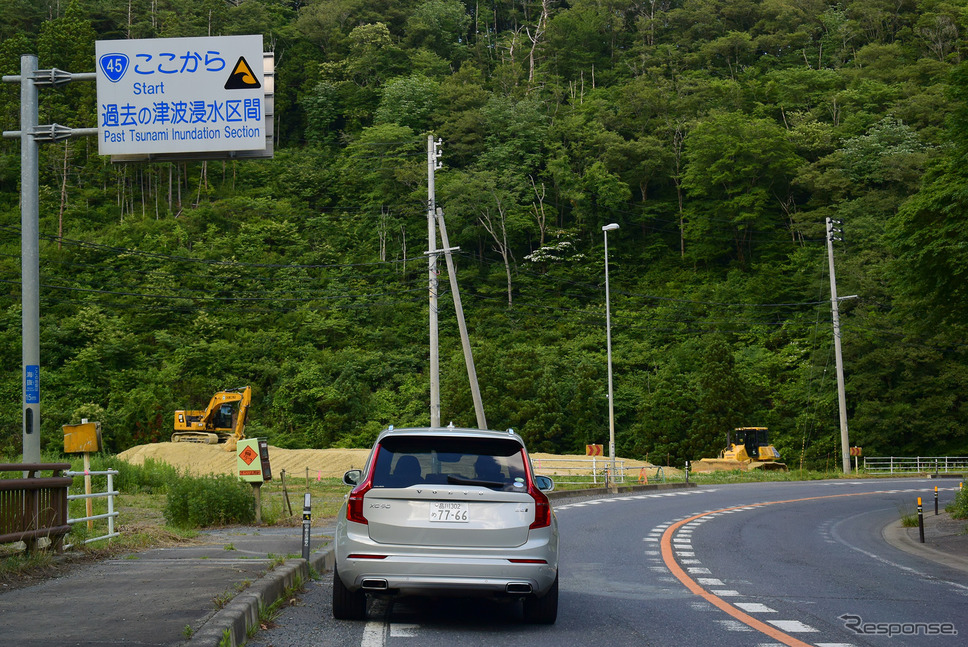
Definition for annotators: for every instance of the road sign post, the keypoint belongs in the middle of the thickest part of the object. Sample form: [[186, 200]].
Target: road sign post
[[181, 95], [237, 114]]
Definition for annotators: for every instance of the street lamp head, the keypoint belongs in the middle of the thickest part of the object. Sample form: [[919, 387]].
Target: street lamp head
[[610, 227]]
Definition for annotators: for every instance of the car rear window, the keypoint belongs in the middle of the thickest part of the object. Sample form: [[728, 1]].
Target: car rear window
[[496, 463]]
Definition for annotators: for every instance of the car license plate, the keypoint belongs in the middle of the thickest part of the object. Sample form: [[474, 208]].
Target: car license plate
[[453, 511]]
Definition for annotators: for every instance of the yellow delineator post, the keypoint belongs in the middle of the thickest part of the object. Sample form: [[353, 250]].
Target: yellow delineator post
[[252, 465], [84, 439]]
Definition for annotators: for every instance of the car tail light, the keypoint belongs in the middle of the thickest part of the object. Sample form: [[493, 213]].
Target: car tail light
[[542, 507], [354, 503]]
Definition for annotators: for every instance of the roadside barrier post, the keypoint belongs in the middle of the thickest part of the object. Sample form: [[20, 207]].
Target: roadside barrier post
[[920, 520], [936, 500], [307, 523], [687, 471]]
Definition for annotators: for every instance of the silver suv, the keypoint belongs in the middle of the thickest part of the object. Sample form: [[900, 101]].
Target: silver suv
[[447, 511]]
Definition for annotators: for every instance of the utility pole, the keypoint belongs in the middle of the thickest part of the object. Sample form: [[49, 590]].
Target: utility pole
[[30, 135], [433, 163], [461, 324], [608, 337], [832, 235]]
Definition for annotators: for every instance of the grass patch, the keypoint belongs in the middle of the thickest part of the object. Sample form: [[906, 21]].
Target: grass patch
[[908, 514], [958, 508]]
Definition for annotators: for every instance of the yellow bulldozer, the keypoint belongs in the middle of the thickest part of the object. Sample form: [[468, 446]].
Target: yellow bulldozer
[[747, 448], [222, 421]]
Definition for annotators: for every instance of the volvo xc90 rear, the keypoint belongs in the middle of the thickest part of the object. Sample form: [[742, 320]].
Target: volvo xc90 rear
[[445, 511]]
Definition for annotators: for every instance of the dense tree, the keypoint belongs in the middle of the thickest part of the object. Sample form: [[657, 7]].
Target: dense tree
[[719, 136]]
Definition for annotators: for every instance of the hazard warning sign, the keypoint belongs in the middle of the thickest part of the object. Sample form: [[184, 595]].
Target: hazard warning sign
[[248, 455], [253, 460], [242, 77]]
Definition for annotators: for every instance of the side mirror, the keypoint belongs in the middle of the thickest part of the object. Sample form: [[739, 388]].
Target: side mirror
[[544, 483], [353, 477]]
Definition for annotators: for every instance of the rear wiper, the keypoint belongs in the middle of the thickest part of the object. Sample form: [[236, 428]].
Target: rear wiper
[[459, 480]]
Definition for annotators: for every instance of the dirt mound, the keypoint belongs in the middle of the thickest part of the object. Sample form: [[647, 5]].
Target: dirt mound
[[199, 460]]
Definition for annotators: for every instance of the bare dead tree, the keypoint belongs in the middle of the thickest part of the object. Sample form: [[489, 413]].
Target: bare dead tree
[[63, 197], [382, 228], [536, 37], [538, 209], [496, 226], [677, 137]]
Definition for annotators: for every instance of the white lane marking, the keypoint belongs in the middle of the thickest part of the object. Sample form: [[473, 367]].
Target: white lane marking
[[906, 569], [709, 581], [754, 607], [698, 571], [403, 630], [725, 593], [374, 634], [734, 625], [792, 626], [835, 645]]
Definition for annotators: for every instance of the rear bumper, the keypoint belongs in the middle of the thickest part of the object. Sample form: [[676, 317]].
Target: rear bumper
[[418, 570]]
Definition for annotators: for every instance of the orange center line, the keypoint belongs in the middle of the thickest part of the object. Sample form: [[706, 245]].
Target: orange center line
[[670, 561]]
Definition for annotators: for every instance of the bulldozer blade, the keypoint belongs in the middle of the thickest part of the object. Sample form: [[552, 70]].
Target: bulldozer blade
[[725, 465], [717, 465]]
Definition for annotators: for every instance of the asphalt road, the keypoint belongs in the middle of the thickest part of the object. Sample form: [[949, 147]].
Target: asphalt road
[[756, 564]]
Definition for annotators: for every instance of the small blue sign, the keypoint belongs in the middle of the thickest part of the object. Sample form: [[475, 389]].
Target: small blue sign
[[32, 384], [114, 66]]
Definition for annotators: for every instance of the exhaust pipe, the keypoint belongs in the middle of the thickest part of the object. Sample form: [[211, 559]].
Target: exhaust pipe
[[518, 588], [374, 584]]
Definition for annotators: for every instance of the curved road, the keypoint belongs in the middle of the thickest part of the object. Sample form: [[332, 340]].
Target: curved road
[[754, 564]]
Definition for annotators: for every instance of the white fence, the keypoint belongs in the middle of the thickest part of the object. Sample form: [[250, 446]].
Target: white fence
[[595, 470], [910, 464], [109, 494]]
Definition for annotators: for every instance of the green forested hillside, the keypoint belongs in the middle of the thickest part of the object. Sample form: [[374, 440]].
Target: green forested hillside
[[718, 134]]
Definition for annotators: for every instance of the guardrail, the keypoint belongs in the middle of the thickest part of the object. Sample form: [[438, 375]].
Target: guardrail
[[109, 494], [34, 509], [909, 464], [596, 470]]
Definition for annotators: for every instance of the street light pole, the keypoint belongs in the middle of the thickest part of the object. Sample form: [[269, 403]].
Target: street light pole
[[608, 342]]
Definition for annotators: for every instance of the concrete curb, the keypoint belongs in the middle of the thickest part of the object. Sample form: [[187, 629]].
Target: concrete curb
[[901, 538], [229, 626]]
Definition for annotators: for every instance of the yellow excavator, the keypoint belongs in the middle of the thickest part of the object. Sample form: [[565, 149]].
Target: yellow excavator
[[222, 421], [747, 448]]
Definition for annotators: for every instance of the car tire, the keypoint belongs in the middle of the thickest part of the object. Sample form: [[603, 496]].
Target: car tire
[[347, 605], [543, 610]]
